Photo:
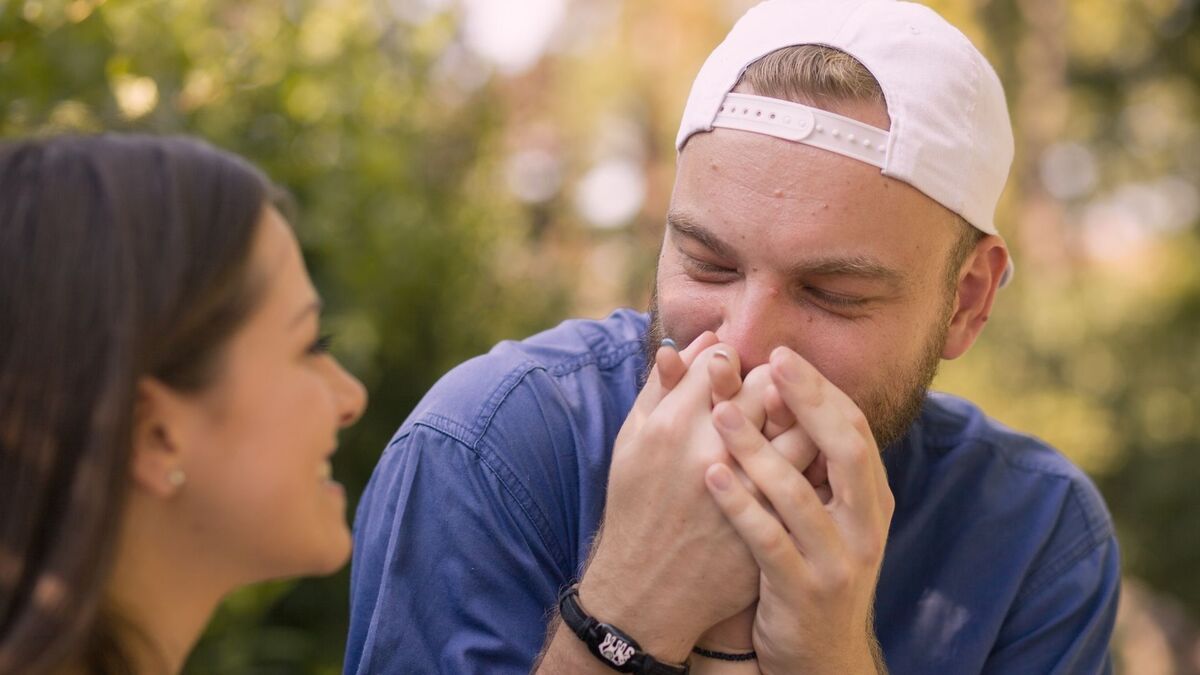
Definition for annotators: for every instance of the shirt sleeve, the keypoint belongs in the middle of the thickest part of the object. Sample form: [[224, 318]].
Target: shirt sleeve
[[455, 568], [1063, 620]]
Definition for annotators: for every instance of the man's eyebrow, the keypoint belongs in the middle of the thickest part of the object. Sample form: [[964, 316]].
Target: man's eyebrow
[[313, 307], [853, 266], [860, 267], [686, 226]]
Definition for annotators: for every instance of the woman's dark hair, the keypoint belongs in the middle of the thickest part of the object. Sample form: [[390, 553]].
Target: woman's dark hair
[[121, 257]]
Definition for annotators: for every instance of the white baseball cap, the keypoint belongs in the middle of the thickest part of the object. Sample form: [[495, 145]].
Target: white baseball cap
[[950, 134]]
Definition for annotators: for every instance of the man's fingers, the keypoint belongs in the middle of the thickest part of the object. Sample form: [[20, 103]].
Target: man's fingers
[[750, 396], [695, 391], [850, 452], [797, 449], [788, 491], [668, 414], [779, 418], [666, 374], [701, 343], [816, 472], [768, 541], [724, 371], [670, 367], [824, 493]]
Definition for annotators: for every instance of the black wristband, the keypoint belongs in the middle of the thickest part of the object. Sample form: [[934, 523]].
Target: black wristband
[[612, 646], [725, 656]]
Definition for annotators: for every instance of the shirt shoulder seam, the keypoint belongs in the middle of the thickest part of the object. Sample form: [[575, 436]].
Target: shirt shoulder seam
[[455, 432], [1046, 574], [472, 437], [1099, 530]]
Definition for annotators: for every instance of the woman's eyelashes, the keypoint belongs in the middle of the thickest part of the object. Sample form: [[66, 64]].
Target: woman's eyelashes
[[322, 344]]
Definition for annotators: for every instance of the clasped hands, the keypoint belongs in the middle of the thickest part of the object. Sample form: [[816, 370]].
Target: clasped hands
[[743, 514]]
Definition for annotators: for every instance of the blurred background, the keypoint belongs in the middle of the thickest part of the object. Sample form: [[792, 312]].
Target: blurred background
[[468, 171]]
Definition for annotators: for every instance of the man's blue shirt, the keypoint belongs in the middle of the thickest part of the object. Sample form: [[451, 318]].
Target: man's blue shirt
[[1001, 556]]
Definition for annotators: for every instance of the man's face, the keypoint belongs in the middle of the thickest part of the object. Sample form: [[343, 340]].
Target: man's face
[[773, 243]]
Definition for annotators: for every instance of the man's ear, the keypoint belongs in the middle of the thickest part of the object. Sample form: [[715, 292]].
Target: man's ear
[[976, 291], [157, 457]]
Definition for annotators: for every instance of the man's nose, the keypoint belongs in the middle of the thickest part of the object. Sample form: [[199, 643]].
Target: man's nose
[[752, 322]]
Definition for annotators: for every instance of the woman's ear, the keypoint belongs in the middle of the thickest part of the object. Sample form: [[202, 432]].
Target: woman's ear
[[159, 439], [975, 293]]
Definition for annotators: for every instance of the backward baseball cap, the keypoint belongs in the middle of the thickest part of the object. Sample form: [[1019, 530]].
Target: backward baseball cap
[[950, 134]]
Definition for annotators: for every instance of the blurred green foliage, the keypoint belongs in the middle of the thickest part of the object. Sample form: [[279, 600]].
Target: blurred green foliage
[[396, 142], [404, 240]]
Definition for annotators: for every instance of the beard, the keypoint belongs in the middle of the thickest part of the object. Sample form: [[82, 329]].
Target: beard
[[891, 406]]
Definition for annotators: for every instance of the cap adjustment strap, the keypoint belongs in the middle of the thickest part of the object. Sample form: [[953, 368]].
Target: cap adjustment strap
[[804, 124]]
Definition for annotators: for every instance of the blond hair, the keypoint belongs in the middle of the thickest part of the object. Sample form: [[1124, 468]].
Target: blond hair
[[814, 75]]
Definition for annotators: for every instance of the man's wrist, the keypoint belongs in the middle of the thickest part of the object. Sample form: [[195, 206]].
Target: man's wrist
[[662, 638], [860, 661], [735, 634]]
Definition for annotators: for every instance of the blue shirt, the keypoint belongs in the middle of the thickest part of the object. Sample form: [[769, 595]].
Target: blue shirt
[[1001, 556]]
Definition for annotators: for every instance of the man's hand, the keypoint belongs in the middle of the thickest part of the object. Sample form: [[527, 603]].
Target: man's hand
[[668, 564], [819, 554], [760, 404]]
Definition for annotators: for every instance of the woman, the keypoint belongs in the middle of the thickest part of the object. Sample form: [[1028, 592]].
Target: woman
[[167, 403]]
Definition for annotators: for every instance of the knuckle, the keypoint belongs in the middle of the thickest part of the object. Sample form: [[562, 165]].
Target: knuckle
[[812, 391], [872, 551], [774, 541], [735, 508], [702, 457], [838, 578], [655, 431], [856, 452], [757, 446], [796, 490], [756, 381], [798, 451], [889, 504], [859, 421]]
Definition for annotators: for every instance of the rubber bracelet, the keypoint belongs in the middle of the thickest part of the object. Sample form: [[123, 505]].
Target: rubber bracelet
[[725, 656]]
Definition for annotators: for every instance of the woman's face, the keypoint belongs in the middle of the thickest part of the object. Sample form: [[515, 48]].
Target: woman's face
[[258, 487]]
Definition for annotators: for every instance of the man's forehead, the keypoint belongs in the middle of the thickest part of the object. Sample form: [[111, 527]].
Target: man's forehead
[[730, 169], [745, 155], [805, 209]]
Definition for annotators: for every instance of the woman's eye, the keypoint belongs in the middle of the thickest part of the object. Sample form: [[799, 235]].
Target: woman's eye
[[321, 345]]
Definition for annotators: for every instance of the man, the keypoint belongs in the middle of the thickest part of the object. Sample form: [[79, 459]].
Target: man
[[782, 495]]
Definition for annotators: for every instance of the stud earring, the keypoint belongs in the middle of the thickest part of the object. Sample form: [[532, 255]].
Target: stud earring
[[176, 477]]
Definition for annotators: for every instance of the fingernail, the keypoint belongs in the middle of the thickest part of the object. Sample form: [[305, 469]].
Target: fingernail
[[668, 342], [721, 354], [719, 478], [729, 417]]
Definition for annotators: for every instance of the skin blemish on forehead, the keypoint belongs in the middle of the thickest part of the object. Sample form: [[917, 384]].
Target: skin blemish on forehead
[[714, 166], [778, 194]]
